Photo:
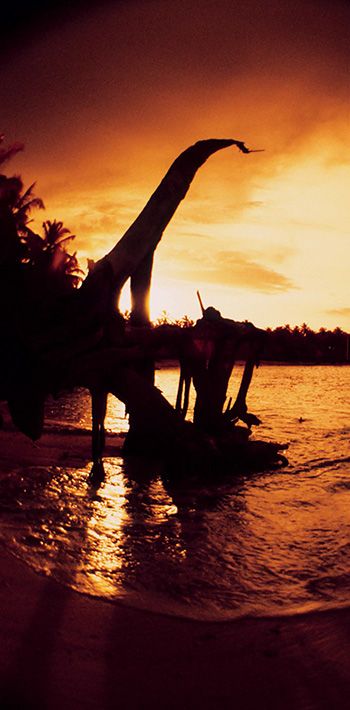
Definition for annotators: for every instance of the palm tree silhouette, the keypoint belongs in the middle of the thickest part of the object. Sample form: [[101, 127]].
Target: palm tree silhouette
[[61, 266]]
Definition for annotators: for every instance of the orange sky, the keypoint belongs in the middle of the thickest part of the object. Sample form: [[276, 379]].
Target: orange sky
[[106, 100]]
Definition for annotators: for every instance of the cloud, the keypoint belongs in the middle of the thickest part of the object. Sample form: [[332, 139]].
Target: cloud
[[101, 219], [274, 69], [106, 115], [227, 268], [95, 216], [342, 312]]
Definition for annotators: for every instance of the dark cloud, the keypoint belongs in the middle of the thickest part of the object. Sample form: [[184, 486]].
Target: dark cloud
[[171, 66], [23, 22]]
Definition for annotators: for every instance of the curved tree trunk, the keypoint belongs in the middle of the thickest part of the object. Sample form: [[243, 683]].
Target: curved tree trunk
[[77, 327], [133, 255], [141, 239], [140, 285]]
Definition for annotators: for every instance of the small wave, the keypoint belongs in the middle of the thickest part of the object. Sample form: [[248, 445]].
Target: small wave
[[55, 426], [339, 486], [328, 463], [315, 464], [327, 584]]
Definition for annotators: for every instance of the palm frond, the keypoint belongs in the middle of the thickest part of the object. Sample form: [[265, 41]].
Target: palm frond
[[61, 240], [34, 243], [22, 215], [27, 195], [72, 267], [55, 233], [23, 206]]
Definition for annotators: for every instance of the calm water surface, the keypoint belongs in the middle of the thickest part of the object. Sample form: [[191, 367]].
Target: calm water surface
[[267, 543]]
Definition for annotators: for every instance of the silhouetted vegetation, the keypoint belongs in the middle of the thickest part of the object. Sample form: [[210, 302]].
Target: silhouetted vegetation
[[43, 261], [183, 322], [300, 344]]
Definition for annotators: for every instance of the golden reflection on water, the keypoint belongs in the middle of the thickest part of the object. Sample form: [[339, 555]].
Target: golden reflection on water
[[260, 544], [122, 516], [105, 538], [263, 543]]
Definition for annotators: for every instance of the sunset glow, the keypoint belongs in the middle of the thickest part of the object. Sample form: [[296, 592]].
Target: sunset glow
[[104, 103]]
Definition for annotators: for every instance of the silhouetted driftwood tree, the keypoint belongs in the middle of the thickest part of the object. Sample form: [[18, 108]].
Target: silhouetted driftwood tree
[[81, 340]]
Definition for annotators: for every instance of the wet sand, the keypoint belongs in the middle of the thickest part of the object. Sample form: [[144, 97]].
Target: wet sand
[[61, 649]]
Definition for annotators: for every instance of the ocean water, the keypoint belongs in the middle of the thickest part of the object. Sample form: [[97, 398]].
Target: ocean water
[[275, 542]]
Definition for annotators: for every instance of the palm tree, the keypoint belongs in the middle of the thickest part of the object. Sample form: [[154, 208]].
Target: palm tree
[[23, 206], [45, 259], [63, 265]]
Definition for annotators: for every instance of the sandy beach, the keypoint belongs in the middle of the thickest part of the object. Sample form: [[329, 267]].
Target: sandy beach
[[62, 649]]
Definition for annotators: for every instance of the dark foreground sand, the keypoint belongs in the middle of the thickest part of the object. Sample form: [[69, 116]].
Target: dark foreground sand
[[60, 649]]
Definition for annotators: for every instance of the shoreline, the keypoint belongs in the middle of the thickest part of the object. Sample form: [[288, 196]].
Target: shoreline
[[63, 649], [128, 602], [173, 363]]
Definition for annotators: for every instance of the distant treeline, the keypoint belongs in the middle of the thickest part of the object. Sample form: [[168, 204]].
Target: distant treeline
[[298, 344], [302, 344]]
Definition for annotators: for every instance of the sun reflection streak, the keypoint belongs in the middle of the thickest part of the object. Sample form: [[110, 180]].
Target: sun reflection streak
[[130, 524], [103, 554]]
